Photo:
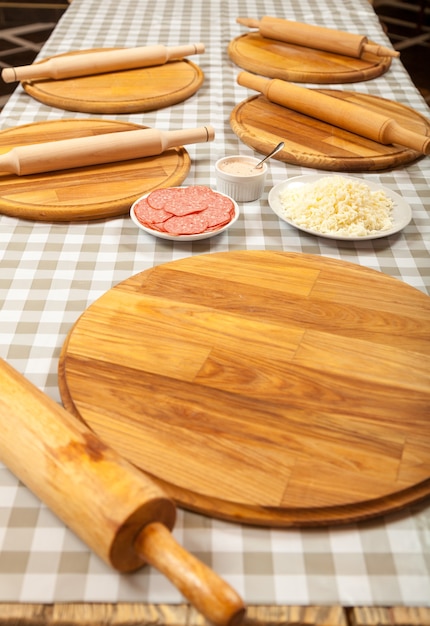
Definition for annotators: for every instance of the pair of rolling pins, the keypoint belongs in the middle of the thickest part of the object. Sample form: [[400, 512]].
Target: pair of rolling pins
[[346, 115], [98, 149], [318, 37], [116, 509], [100, 62]]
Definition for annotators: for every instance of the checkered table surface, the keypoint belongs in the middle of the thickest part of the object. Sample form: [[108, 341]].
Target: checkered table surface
[[50, 273]]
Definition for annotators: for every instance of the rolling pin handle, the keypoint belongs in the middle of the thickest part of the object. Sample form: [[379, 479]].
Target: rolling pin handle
[[180, 52], [394, 133], [380, 51], [9, 75], [201, 134], [205, 590], [248, 21], [252, 81], [9, 162]]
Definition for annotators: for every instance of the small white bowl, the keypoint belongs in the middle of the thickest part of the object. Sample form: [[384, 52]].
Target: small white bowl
[[237, 177], [196, 237]]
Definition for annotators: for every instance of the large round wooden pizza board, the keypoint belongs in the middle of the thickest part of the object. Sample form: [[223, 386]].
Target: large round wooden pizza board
[[277, 59], [126, 91], [268, 388], [310, 142], [85, 193]]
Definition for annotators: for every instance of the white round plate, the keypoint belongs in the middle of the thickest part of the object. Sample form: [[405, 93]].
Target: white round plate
[[196, 237], [402, 213]]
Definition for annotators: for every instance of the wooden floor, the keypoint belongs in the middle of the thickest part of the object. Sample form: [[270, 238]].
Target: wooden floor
[[124, 614], [26, 24]]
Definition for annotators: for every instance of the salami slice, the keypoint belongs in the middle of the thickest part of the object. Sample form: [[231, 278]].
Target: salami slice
[[186, 207], [185, 201], [216, 216], [145, 213], [158, 198], [192, 224], [201, 191], [219, 201]]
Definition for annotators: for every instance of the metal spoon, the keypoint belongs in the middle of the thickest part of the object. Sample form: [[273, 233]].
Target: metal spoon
[[274, 151]]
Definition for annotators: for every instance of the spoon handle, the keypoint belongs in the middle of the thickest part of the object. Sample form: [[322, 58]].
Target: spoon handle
[[274, 151]]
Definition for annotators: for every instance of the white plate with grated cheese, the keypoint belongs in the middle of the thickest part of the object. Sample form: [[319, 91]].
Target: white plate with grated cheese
[[339, 207]]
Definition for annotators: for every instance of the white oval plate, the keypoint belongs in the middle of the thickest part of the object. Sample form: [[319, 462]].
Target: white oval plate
[[402, 213], [196, 237]]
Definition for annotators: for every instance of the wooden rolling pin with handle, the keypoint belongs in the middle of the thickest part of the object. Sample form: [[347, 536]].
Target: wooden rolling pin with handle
[[97, 149], [99, 62], [116, 509], [318, 37], [346, 115]]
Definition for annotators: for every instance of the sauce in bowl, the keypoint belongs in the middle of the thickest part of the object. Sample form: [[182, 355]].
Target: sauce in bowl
[[239, 167]]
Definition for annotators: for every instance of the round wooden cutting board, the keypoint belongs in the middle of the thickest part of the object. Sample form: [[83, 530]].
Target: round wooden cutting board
[[312, 143], [126, 91], [262, 387], [84, 193], [277, 59]]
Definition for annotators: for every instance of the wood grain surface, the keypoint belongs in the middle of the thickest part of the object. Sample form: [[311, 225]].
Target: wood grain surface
[[85, 193], [126, 91], [262, 387], [135, 614], [278, 59], [312, 143]]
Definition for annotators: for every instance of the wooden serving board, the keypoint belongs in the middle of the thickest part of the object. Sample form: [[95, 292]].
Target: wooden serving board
[[312, 143], [277, 59], [126, 91], [84, 193], [262, 387]]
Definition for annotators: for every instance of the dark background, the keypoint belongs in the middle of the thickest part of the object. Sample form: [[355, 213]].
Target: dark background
[[26, 25], [407, 24], [24, 28]]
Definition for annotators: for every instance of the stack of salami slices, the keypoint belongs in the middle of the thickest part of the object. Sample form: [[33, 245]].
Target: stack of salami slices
[[182, 211]]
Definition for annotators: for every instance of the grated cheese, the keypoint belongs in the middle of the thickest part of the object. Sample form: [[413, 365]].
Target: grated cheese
[[337, 205]]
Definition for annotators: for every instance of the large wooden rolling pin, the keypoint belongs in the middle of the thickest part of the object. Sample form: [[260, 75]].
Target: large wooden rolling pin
[[345, 115], [97, 149], [100, 62], [117, 510], [319, 37]]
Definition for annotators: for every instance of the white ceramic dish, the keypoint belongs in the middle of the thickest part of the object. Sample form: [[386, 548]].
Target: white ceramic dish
[[240, 187], [402, 213], [196, 237]]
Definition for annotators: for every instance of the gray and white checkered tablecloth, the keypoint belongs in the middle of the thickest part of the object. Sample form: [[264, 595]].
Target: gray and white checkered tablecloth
[[50, 273]]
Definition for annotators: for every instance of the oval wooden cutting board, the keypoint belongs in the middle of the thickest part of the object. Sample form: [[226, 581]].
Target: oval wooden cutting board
[[312, 143], [262, 387], [85, 193], [126, 91], [277, 59]]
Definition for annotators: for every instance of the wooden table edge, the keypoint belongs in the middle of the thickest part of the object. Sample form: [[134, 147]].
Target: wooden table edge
[[142, 614]]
